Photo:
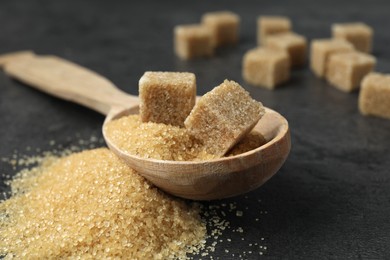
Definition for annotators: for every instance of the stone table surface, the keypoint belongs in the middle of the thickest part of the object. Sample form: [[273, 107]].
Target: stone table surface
[[331, 199]]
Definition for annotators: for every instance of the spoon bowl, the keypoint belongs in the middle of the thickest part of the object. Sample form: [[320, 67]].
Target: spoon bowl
[[197, 180], [217, 178]]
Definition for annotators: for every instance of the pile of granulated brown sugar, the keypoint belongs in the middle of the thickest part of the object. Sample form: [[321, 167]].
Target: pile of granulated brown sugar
[[91, 205], [166, 142]]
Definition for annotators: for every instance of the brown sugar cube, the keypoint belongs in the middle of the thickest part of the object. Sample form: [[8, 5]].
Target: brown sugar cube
[[374, 96], [193, 41], [359, 34], [166, 97], [224, 26], [266, 67], [293, 43], [346, 70], [268, 25], [223, 116], [321, 49]]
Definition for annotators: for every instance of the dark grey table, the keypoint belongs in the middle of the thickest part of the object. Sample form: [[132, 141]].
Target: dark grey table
[[330, 200]]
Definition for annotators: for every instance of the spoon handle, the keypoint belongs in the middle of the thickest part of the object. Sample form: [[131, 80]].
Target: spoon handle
[[12, 56], [69, 81]]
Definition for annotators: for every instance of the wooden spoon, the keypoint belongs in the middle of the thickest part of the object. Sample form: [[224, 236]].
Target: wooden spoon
[[199, 180]]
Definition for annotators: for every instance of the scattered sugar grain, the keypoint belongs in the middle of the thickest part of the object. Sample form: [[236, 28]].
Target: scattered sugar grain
[[232, 232]]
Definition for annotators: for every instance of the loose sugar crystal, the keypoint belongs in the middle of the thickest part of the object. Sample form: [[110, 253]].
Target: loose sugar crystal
[[223, 116], [91, 205], [293, 43], [266, 67], [359, 34], [167, 142], [193, 41], [374, 96], [321, 49], [268, 25], [166, 97], [224, 26], [346, 70]]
